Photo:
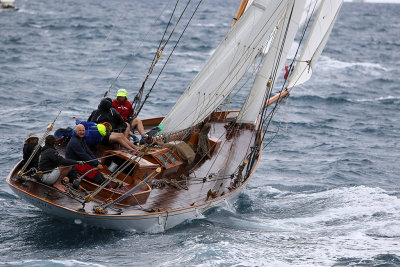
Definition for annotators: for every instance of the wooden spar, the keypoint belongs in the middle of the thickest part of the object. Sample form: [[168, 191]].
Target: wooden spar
[[135, 188], [241, 10], [276, 98]]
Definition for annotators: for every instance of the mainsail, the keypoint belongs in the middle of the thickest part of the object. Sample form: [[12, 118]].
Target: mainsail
[[224, 69], [273, 61], [316, 41]]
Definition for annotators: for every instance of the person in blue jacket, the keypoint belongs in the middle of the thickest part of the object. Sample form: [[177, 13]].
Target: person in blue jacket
[[77, 149], [96, 134]]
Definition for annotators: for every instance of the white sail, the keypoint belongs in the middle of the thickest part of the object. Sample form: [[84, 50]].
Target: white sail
[[316, 41], [226, 66], [276, 56]]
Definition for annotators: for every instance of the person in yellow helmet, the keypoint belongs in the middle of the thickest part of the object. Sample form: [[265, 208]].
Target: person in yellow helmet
[[124, 107]]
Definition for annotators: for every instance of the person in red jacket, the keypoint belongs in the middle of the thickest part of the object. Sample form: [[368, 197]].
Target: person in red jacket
[[124, 108]]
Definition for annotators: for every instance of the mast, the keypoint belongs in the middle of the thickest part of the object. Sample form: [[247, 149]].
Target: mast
[[273, 62], [225, 68], [241, 10]]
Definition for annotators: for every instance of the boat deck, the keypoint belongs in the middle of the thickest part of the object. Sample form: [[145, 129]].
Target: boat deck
[[213, 175]]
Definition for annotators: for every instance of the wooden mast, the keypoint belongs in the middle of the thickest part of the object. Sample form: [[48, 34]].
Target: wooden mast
[[241, 10], [273, 99]]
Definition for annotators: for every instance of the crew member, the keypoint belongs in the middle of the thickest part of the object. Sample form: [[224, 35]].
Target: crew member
[[124, 107], [77, 149], [30, 143], [54, 166]]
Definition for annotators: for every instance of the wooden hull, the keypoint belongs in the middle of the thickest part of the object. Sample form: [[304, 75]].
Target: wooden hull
[[165, 208], [150, 223]]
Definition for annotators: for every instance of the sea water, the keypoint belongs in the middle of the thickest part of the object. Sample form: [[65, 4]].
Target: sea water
[[327, 188]]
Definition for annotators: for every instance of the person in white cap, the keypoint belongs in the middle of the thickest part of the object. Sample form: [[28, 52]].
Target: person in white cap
[[30, 143]]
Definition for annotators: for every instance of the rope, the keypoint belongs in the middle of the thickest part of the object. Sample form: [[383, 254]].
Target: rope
[[165, 64], [102, 207], [159, 183], [137, 48], [140, 156], [106, 181], [157, 55], [51, 126], [266, 123], [236, 68]]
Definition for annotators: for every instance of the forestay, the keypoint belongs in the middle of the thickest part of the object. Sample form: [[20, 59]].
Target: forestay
[[273, 61], [226, 66], [316, 41]]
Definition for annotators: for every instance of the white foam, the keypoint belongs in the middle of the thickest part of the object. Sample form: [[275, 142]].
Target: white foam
[[329, 63], [67, 263], [348, 222], [351, 203], [387, 229], [382, 98]]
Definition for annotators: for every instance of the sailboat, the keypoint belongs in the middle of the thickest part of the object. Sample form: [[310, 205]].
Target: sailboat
[[7, 5], [200, 155]]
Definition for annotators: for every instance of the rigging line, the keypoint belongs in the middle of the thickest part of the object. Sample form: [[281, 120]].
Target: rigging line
[[140, 156], [274, 77], [217, 92], [273, 137], [176, 24], [87, 69], [66, 166], [132, 190], [291, 65], [146, 36], [123, 166], [275, 70], [255, 70], [271, 115], [254, 42], [50, 127], [192, 169], [127, 162], [266, 123], [165, 64], [166, 29], [309, 61], [123, 181], [220, 88], [105, 182], [309, 15], [157, 55]]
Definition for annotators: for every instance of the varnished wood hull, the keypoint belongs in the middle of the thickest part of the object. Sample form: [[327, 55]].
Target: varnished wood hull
[[150, 223], [164, 209]]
